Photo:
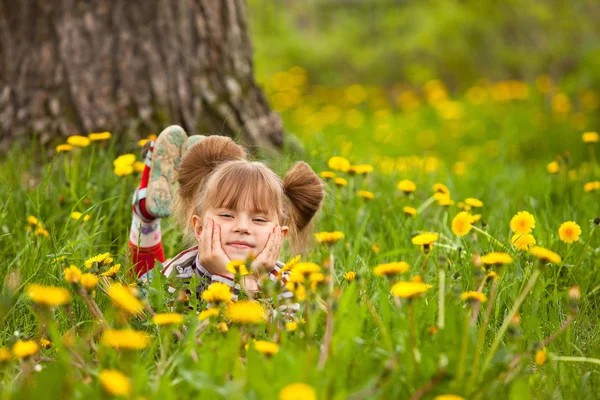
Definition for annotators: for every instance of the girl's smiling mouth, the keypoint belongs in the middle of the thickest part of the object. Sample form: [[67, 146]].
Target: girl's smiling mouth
[[240, 244]]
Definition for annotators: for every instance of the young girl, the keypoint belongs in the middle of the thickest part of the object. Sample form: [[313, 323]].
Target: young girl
[[229, 207]]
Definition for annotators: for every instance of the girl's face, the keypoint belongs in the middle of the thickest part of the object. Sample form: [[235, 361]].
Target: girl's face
[[243, 232]]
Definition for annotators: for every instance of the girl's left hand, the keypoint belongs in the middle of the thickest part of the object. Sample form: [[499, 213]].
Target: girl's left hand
[[266, 259]]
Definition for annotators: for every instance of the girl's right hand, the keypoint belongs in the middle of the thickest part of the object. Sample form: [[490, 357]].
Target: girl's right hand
[[210, 252]]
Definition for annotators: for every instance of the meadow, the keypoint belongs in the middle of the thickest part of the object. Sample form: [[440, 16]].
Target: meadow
[[456, 257]]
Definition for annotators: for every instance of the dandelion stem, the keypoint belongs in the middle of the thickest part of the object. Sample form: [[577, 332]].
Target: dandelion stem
[[577, 359], [585, 246], [329, 322], [412, 332], [425, 204], [463, 352], [492, 239], [511, 314], [441, 298]]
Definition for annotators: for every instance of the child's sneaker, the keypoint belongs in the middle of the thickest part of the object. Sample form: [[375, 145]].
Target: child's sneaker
[[154, 197]]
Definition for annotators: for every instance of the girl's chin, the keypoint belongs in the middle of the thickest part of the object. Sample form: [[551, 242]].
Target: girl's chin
[[238, 254]]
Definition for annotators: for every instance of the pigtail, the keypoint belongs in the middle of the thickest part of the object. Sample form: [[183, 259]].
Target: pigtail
[[305, 193], [196, 166]]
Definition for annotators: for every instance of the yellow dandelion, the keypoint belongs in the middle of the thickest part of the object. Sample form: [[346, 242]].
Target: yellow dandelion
[[306, 268], [72, 274], [591, 186], [448, 397], [124, 298], [522, 222], [497, 258], [99, 136], [290, 264], [101, 259], [553, 167], [349, 276], [138, 166], [297, 391], [375, 248], [89, 281], [523, 241], [390, 269], [569, 232], [473, 296], [217, 293], [327, 175], [473, 202], [222, 327], [491, 275], [266, 348], [48, 295], [361, 169], [115, 383], [475, 218], [211, 312], [45, 343], [425, 239], [291, 326], [25, 348], [461, 223], [541, 357], [246, 312], [409, 290], [590, 137], [329, 237], [63, 148], [445, 201], [167, 319], [339, 164], [125, 339], [78, 141], [441, 188], [31, 220], [40, 231], [112, 271], [365, 195], [410, 211], [545, 255], [76, 215], [124, 159], [237, 267], [123, 170], [407, 186], [340, 182], [5, 354]]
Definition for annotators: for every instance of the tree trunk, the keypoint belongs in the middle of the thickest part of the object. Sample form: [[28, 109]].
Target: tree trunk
[[73, 67]]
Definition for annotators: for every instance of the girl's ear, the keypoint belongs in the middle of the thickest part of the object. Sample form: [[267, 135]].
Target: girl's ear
[[285, 230], [197, 224]]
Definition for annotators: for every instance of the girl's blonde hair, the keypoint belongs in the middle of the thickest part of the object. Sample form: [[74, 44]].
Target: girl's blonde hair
[[215, 173]]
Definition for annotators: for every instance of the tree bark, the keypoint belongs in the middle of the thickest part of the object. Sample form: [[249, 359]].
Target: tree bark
[[74, 67]]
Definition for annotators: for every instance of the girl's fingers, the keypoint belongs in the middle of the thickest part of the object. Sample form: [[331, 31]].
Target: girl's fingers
[[216, 238], [204, 237]]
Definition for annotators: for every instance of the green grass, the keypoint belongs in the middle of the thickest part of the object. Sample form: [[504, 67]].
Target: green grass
[[371, 355]]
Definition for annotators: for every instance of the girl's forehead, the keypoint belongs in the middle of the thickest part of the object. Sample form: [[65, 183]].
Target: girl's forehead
[[241, 209]]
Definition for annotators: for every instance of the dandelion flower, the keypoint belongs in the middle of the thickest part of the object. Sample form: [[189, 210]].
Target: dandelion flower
[[45, 343], [89, 281], [78, 141], [138, 166], [391, 269], [329, 237], [541, 357], [112, 271], [339, 164], [473, 202], [102, 259], [72, 274], [407, 186], [445, 201], [63, 148], [115, 383], [125, 339], [473, 296], [497, 258], [410, 211], [591, 186], [461, 224], [266, 348], [222, 327], [237, 267], [167, 319], [290, 264], [31, 220], [553, 167], [245, 312], [76, 215], [25, 348], [48, 295], [124, 159], [349, 276], [291, 326], [361, 169], [365, 195], [123, 297], [545, 255], [327, 175], [375, 248], [211, 312], [522, 222], [425, 238], [569, 232], [5, 354], [99, 136], [475, 218], [123, 170], [340, 182], [441, 188], [448, 397], [523, 241], [409, 290], [297, 391], [217, 293], [590, 137]]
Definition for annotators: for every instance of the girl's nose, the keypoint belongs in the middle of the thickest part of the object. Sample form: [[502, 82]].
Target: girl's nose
[[242, 225]]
